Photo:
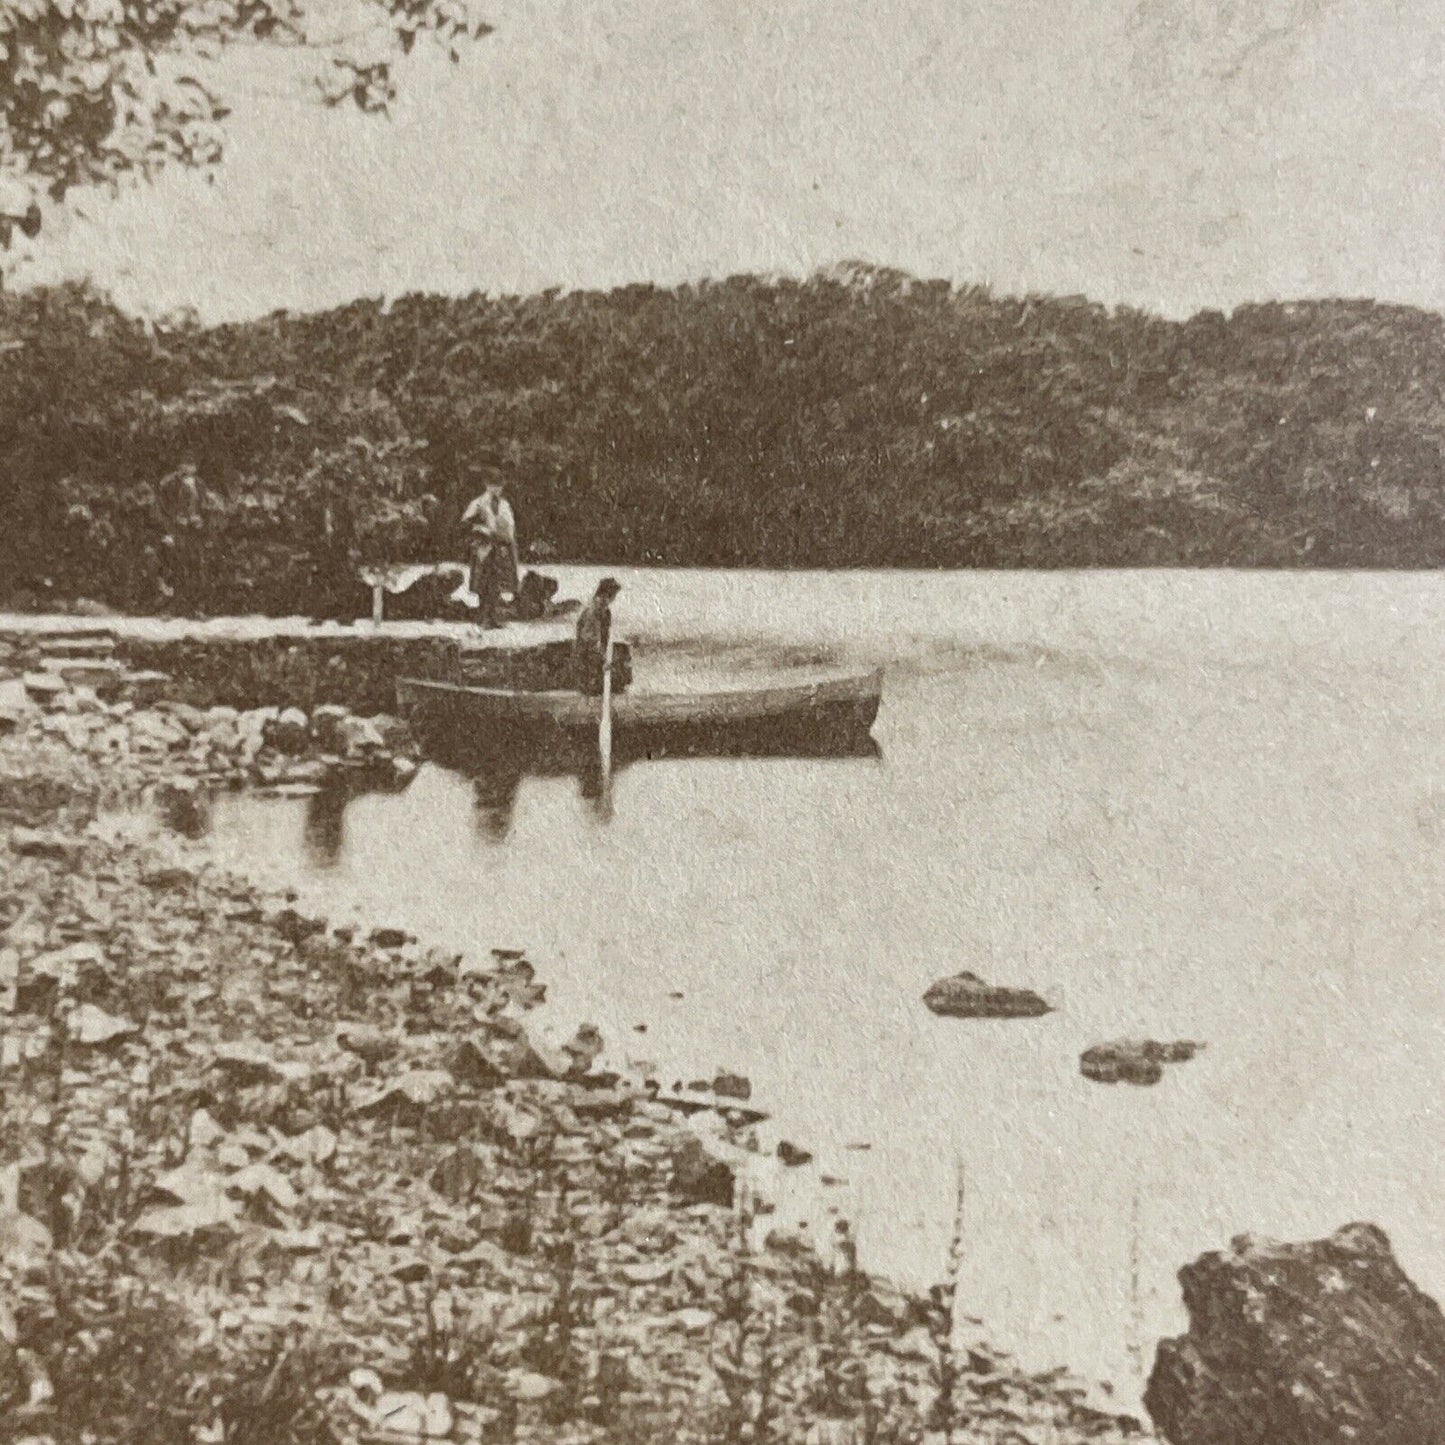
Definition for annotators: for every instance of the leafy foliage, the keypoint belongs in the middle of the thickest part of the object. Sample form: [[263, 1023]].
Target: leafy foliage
[[94, 91], [860, 418]]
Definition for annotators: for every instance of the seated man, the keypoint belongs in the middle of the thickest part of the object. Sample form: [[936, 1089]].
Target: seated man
[[594, 629]]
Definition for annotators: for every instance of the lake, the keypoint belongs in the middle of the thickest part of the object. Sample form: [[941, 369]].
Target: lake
[[1178, 804]]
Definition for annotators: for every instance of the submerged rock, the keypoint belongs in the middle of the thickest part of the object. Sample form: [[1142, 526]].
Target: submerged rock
[[1134, 1061], [967, 996], [1324, 1342]]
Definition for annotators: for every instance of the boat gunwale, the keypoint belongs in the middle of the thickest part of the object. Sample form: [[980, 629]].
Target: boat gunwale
[[566, 708]]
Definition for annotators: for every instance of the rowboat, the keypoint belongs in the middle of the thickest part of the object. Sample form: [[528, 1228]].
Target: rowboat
[[827, 712]]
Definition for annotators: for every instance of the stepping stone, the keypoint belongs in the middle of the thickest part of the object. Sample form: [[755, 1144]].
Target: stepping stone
[[79, 644], [45, 687]]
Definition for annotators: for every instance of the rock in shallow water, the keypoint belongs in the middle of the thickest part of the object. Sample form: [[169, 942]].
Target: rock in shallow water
[[1318, 1343], [699, 1176], [390, 937], [732, 1086], [1134, 1061], [967, 996]]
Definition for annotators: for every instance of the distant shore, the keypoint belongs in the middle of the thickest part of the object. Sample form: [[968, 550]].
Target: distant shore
[[860, 420]]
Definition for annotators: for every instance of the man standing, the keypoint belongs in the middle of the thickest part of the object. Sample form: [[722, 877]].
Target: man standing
[[494, 548], [594, 629]]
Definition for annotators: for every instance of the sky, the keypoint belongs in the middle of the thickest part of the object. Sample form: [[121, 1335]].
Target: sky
[[1171, 154]]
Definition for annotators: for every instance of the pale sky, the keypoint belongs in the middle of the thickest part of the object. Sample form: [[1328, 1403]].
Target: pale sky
[[1168, 153]]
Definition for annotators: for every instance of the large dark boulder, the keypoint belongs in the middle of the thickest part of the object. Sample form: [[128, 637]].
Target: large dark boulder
[[534, 596], [1319, 1343], [427, 596]]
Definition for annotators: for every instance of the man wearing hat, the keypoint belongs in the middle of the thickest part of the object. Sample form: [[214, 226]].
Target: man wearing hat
[[594, 628], [494, 547]]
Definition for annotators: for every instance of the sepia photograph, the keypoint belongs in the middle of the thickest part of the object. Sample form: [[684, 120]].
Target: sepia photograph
[[722, 722]]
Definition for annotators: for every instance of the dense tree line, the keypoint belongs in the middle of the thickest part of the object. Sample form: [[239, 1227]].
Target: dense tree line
[[859, 418]]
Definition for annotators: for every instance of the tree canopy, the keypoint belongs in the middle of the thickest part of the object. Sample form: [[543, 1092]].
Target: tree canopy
[[96, 91], [858, 418]]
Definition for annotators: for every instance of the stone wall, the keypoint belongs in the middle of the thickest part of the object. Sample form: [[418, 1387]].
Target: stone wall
[[357, 672]]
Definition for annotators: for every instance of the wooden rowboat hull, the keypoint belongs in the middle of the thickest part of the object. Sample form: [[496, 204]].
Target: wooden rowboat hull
[[827, 714]]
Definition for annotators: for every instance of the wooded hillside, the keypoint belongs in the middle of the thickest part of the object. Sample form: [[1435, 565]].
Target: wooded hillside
[[860, 418]]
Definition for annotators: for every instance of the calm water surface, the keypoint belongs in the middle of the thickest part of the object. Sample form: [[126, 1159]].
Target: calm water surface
[[1200, 805]]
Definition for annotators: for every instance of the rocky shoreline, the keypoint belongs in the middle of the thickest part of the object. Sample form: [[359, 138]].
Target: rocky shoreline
[[264, 1179]]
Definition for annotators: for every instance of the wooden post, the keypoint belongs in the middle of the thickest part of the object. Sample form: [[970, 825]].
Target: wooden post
[[378, 602]]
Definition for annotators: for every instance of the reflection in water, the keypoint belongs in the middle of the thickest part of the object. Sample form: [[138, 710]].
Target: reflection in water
[[324, 830], [496, 780], [596, 787], [495, 793], [495, 787], [323, 827], [496, 774]]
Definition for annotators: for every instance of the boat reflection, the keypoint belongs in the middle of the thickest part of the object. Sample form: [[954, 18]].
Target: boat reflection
[[324, 826], [495, 801], [323, 821], [471, 755], [496, 775]]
